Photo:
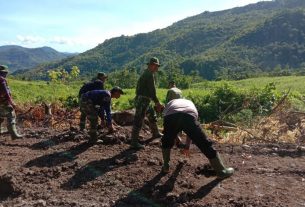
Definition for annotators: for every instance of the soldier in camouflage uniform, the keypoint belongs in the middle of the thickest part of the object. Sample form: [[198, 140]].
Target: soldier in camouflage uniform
[[95, 84], [173, 92], [145, 92], [96, 104], [7, 105]]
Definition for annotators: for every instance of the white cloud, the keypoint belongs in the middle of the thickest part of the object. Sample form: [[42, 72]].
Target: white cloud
[[62, 40], [30, 39]]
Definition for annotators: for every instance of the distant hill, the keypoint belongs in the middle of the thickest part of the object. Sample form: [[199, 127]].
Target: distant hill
[[21, 58], [236, 42]]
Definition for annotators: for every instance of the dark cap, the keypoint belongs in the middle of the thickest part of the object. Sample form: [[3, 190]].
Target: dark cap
[[171, 82], [154, 61], [101, 75], [3, 69], [117, 89]]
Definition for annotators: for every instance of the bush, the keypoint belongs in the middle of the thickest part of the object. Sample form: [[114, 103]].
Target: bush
[[262, 101], [229, 103], [70, 102], [243, 117], [224, 99]]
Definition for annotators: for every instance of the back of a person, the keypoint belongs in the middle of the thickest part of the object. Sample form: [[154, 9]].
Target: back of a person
[[90, 86], [98, 96], [3, 90], [142, 87], [173, 93], [180, 106], [177, 91]]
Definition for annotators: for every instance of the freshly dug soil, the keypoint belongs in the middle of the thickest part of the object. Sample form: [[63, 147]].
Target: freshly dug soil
[[60, 168]]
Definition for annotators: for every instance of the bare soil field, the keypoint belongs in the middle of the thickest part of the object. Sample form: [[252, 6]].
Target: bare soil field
[[59, 167]]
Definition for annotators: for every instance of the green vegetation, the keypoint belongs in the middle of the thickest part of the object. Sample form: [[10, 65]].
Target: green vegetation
[[296, 83], [255, 40], [38, 91], [235, 101]]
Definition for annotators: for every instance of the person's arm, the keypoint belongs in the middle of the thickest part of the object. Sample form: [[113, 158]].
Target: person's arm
[[102, 116], [102, 85], [170, 95], [188, 142], [6, 93], [107, 109], [152, 88], [167, 97], [99, 85]]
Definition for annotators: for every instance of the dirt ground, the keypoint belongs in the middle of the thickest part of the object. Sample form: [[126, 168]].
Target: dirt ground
[[60, 168]]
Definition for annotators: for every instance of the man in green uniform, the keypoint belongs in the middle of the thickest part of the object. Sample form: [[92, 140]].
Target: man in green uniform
[[145, 92], [173, 92], [7, 105]]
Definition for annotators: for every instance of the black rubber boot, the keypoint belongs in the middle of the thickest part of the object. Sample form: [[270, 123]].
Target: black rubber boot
[[221, 171], [93, 137], [1, 120], [155, 130], [166, 153], [13, 131], [135, 139]]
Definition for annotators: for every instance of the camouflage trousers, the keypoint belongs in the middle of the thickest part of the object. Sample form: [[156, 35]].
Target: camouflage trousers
[[7, 111], [143, 108], [82, 121], [88, 110]]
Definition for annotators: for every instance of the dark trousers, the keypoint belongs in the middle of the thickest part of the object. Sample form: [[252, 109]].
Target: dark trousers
[[175, 123]]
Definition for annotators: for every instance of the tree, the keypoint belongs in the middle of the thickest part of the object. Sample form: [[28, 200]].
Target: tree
[[74, 72], [61, 75], [54, 75]]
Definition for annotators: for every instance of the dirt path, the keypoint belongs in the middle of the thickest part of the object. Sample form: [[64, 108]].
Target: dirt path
[[50, 168]]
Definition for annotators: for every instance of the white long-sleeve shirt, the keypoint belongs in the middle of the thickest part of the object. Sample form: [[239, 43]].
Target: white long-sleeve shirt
[[180, 106]]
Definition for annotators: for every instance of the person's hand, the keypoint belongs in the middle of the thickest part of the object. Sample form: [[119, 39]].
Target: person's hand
[[159, 108], [185, 152], [111, 128], [13, 105]]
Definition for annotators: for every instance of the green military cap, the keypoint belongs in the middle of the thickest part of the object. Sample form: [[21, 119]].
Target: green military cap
[[101, 75], [154, 61], [117, 89], [3, 69], [171, 82]]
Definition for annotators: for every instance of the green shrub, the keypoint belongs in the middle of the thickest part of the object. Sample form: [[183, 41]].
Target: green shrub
[[70, 102], [224, 99]]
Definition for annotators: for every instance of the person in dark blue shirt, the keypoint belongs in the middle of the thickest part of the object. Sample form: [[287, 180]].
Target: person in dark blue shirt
[[96, 104], [95, 84]]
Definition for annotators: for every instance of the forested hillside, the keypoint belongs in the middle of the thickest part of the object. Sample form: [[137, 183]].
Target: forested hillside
[[21, 58], [230, 44]]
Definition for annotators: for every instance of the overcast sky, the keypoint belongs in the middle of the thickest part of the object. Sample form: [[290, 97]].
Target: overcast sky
[[79, 25]]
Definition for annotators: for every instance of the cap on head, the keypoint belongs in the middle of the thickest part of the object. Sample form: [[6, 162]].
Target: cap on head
[[154, 61], [101, 75], [172, 82], [117, 89], [3, 69]]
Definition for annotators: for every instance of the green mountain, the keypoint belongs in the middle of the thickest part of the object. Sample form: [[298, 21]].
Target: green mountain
[[20, 58], [235, 42]]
